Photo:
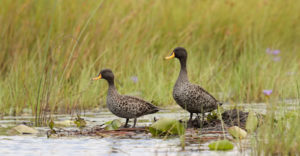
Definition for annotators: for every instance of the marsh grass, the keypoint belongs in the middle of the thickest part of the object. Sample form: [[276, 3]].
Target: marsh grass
[[51, 49], [278, 134], [278, 131]]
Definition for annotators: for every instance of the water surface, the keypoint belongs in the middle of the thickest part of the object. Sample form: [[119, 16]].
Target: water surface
[[82, 145]]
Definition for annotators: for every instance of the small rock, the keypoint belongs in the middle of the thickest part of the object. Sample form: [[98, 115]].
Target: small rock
[[23, 129], [3, 126], [64, 123], [237, 132]]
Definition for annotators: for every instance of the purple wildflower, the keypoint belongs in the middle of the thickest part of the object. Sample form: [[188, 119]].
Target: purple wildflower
[[268, 51], [276, 59], [275, 52], [271, 51], [134, 79], [267, 92]]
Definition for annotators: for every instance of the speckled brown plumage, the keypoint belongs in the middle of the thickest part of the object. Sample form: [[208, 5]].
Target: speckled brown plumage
[[189, 96], [122, 105]]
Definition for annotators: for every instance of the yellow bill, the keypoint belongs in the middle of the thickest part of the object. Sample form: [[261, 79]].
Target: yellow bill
[[171, 56], [97, 78]]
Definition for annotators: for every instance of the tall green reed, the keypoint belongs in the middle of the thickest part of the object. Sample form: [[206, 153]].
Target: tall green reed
[[51, 49]]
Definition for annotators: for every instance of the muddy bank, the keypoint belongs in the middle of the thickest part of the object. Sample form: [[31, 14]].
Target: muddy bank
[[230, 118]]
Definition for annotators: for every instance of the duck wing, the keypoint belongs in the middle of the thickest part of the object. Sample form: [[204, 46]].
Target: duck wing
[[200, 97], [138, 106]]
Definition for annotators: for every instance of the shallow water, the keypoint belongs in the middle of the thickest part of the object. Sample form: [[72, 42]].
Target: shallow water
[[80, 145], [31, 145]]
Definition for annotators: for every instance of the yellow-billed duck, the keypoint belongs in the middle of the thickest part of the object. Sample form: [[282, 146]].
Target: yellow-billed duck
[[122, 105], [190, 97]]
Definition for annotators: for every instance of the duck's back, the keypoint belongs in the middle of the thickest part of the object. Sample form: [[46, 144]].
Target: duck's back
[[194, 98]]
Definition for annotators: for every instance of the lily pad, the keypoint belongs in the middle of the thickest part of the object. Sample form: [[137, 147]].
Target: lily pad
[[221, 145], [237, 132], [252, 122], [113, 125], [23, 129], [166, 126]]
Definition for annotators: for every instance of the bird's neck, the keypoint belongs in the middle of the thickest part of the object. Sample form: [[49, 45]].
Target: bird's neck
[[183, 77], [111, 87]]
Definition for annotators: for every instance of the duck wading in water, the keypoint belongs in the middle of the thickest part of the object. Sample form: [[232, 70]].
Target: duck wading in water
[[122, 105], [190, 97]]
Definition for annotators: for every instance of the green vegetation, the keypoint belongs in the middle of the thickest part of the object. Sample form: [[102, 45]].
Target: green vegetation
[[113, 125], [166, 126], [279, 134], [51, 49], [221, 145]]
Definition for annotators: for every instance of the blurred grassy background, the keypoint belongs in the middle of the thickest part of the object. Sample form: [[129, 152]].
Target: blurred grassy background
[[49, 50]]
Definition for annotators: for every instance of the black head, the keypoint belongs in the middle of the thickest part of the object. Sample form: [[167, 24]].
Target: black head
[[106, 74], [179, 53]]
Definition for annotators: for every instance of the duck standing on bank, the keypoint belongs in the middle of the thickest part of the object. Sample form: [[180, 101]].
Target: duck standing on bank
[[190, 97], [122, 105]]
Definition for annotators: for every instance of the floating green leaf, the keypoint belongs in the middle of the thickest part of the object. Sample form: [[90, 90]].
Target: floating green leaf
[[252, 122], [166, 126], [108, 122], [113, 125], [221, 145], [237, 132]]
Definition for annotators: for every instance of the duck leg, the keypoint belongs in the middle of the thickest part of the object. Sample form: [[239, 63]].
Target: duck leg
[[191, 117], [202, 121], [198, 120], [134, 123], [126, 122]]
